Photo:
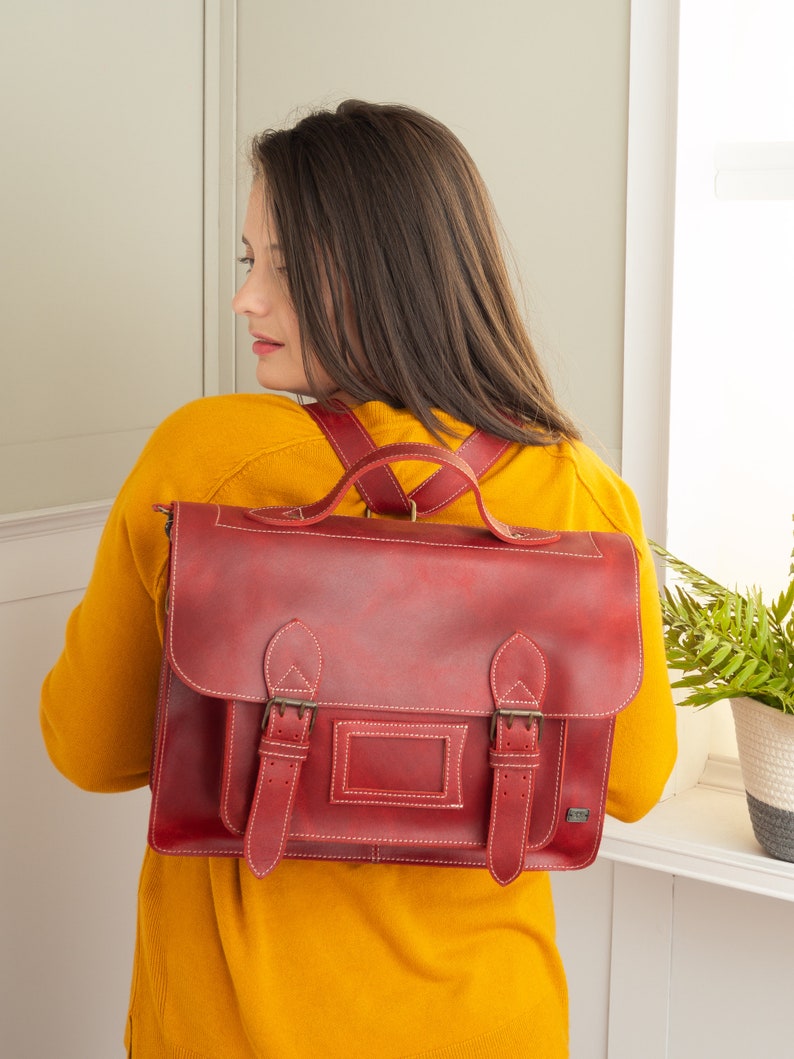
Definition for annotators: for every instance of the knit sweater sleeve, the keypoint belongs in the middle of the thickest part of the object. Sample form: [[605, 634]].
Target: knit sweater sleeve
[[645, 744], [98, 702], [644, 748]]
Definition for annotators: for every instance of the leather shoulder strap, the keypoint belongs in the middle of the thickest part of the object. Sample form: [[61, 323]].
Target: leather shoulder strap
[[480, 451], [379, 488]]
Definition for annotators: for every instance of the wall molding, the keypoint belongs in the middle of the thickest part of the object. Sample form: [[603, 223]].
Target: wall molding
[[45, 553], [650, 213], [46, 521]]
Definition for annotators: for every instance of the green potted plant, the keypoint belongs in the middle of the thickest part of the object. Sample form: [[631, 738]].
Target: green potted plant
[[726, 644]]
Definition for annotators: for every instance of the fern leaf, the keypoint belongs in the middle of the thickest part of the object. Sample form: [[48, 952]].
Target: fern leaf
[[782, 607]]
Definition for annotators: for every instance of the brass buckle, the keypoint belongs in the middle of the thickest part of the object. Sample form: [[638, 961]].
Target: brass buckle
[[531, 716], [301, 705], [410, 515]]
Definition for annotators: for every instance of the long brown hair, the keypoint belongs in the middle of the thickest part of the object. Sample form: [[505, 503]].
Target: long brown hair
[[382, 206]]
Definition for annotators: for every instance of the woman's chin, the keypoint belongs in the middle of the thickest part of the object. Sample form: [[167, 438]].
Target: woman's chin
[[283, 382]]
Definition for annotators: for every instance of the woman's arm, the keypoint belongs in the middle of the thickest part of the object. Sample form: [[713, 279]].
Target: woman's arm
[[98, 702], [644, 749]]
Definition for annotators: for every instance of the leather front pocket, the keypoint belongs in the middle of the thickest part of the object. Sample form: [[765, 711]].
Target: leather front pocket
[[400, 764]]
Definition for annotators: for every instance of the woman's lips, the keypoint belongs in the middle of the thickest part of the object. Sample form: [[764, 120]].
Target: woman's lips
[[264, 345]]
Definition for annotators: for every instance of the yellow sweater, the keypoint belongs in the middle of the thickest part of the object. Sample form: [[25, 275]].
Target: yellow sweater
[[325, 960]]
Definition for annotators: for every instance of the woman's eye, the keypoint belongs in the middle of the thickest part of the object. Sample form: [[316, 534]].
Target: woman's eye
[[247, 261]]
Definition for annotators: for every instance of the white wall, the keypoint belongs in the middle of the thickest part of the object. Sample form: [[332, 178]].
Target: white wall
[[666, 967], [538, 92], [101, 208], [101, 214]]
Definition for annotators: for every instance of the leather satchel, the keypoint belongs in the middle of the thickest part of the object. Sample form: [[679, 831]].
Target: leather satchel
[[388, 690]]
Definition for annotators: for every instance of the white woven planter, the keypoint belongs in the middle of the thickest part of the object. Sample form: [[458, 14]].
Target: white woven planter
[[765, 738]]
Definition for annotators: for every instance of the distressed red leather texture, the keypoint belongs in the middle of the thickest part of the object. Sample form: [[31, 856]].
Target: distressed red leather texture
[[383, 690]]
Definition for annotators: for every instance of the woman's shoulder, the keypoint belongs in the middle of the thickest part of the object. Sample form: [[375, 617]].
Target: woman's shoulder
[[254, 420], [219, 431], [569, 486], [601, 486], [201, 446]]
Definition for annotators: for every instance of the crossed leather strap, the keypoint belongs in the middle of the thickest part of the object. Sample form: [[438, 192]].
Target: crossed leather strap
[[379, 488]]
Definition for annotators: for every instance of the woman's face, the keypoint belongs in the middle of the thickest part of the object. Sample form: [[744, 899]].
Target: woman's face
[[264, 299]]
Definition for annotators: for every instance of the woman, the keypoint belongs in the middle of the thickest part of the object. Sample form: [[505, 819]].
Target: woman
[[374, 277]]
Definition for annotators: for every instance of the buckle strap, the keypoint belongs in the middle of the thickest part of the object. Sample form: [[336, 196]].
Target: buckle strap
[[518, 683], [515, 760], [509, 760], [293, 666], [283, 748]]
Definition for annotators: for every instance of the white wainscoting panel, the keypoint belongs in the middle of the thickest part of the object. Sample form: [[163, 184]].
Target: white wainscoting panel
[[640, 963], [730, 975], [583, 902], [70, 859]]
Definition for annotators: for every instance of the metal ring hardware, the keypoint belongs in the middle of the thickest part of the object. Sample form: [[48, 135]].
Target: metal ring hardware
[[409, 514]]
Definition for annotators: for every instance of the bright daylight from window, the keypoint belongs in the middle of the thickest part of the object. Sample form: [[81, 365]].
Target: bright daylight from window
[[732, 428], [731, 487]]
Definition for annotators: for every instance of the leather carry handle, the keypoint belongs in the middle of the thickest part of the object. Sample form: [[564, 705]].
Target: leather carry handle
[[380, 489], [311, 514]]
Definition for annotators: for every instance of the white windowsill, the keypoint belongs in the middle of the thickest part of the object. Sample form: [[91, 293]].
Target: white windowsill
[[703, 833]]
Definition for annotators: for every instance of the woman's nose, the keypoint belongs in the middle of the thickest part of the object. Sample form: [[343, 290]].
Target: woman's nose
[[251, 298]]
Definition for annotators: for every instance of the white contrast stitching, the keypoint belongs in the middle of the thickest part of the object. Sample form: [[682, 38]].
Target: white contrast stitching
[[513, 641], [399, 492], [462, 488], [495, 814], [290, 800], [225, 816], [344, 731], [279, 685], [532, 545], [557, 773]]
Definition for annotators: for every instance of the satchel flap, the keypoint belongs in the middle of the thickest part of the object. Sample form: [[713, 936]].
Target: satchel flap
[[405, 616]]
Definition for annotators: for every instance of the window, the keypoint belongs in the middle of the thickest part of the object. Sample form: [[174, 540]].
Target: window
[[730, 489], [708, 430]]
